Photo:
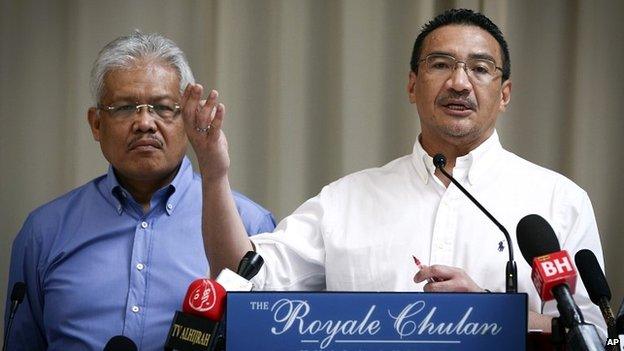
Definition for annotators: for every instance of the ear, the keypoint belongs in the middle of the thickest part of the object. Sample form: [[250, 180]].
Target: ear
[[505, 95], [411, 87], [94, 122]]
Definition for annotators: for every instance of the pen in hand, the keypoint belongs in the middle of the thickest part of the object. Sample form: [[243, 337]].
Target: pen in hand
[[419, 265]]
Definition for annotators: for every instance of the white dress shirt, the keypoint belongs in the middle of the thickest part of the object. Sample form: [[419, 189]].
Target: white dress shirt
[[360, 232]]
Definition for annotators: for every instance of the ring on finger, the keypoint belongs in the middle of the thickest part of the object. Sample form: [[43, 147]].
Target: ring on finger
[[203, 130]]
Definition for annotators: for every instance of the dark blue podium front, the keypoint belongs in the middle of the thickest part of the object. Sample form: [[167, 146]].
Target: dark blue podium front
[[375, 321]]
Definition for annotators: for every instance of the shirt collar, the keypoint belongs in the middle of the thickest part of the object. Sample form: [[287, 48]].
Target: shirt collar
[[470, 167], [170, 193]]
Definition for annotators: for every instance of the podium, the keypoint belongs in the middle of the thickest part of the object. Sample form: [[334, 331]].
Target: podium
[[379, 321]]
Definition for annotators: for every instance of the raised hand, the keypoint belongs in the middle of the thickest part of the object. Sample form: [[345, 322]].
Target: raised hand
[[203, 120]]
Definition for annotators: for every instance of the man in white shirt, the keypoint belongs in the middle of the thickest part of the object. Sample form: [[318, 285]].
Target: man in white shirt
[[361, 231]]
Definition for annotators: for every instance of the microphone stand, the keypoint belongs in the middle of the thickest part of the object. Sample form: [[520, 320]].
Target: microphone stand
[[557, 334], [17, 296], [511, 270]]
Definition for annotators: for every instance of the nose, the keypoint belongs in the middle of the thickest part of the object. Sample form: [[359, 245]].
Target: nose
[[144, 120], [459, 80]]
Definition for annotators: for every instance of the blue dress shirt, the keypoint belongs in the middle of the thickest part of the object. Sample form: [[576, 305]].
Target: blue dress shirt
[[96, 266]]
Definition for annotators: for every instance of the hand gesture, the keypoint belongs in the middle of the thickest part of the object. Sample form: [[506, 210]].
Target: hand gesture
[[203, 120]]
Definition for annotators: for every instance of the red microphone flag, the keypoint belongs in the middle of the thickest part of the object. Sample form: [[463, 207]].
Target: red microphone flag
[[205, 298], [551, 270]]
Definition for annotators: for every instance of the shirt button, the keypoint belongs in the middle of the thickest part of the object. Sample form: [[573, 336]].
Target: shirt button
[[143, 225], [169, 206], [140, 266], [135, 309]]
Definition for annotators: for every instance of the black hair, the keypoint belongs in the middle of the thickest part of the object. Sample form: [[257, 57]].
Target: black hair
[[462, 17]]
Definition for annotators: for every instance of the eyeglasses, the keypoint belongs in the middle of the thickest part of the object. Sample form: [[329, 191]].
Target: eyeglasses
[[479, 70], [165, 111]]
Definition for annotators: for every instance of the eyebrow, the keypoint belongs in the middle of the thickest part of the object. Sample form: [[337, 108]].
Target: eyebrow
[[479, 56], [134, 98], [482, 56]]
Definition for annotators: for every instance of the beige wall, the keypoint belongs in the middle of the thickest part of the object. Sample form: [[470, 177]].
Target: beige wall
[[314, 89]]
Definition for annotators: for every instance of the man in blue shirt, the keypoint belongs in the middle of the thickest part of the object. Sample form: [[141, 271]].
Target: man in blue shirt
[[116, 255]]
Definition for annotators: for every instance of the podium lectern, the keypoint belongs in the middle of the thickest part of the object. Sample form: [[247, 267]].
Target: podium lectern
[[375, 321]]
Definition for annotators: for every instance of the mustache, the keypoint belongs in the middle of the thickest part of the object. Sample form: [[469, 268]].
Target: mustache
[[456, 98], [151, 138]]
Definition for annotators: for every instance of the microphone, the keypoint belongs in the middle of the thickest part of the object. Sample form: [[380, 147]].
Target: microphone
[[17, 296], [120, 343], [198, 326], [511, 271], [554, 277], [248, 267], [18, 292], [551, 266], [205, 298], [597, 287]]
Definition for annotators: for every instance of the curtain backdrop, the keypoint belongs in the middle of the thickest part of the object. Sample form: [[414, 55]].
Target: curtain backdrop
[[314, 90]]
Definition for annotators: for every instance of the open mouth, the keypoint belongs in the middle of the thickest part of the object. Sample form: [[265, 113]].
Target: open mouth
[[458, 104], [458, 107]]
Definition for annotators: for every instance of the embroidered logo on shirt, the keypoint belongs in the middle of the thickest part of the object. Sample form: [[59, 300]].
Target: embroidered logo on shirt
[[501, 246]]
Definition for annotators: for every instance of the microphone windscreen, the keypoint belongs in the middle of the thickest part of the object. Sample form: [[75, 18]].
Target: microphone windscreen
[[120, 343], [439, 160], [18, 292], [535, 237], [592, 275], [250, 265]]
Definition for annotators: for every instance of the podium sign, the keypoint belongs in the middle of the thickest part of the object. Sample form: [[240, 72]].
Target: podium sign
[[341, 321]]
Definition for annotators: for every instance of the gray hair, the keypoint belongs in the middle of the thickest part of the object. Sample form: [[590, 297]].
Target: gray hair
[[126, 51]]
